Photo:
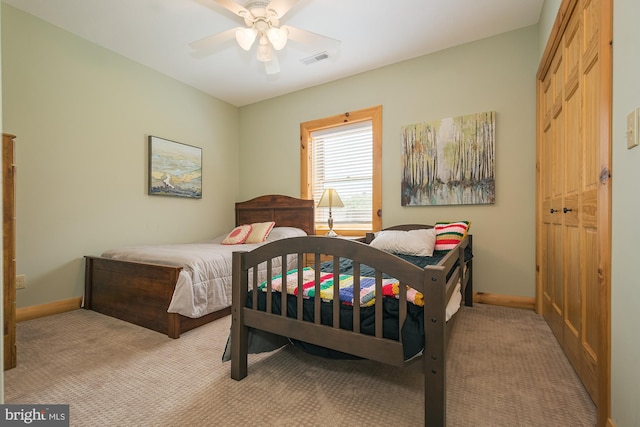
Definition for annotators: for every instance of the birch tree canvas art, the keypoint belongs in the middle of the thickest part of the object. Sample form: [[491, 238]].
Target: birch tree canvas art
[[449, 161]]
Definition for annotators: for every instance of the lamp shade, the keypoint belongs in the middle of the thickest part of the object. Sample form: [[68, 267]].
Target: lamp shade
[[330, 199], [277, 37], [245, 37]]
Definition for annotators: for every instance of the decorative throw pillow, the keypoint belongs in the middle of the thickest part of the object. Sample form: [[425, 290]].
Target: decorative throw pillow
[[259, 231], [238, 235], [412, 242], [449, 234]]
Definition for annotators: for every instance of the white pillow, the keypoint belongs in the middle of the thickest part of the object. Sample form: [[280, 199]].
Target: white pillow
[[283, 232], [413, 242]]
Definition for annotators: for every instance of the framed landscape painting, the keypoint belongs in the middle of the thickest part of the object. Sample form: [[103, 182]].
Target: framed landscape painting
[[175, 169], [449, 161]]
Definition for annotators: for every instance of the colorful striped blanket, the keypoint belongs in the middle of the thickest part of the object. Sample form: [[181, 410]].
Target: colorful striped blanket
[[390, 287]]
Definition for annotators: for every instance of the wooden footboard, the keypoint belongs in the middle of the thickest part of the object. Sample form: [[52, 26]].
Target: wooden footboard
[[138, 293], [436, 283]]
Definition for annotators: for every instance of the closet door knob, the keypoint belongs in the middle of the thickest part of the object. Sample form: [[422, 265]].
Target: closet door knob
[[565, 210], [553, 210]]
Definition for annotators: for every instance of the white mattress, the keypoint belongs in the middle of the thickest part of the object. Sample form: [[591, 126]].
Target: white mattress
[[454, 303], [456, 299], [204, 284]]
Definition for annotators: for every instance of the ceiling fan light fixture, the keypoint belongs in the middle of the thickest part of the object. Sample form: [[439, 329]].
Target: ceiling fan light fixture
[[245, 37], [277, 37], [262, 21]]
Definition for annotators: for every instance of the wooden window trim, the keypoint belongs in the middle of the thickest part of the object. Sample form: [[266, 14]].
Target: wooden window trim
[[375, 115]]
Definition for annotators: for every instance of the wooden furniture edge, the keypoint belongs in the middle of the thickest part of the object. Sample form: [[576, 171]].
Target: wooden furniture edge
[[511, 301], [48, 309], [9, 250]]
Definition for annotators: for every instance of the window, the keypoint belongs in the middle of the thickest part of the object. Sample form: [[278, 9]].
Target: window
[[343, 160], [344, 152]]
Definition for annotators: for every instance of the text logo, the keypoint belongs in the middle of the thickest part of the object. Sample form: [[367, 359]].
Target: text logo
[[34, 415]]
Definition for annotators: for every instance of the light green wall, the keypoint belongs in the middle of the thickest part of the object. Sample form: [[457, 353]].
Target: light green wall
[[82, 115], [493, 74], [625, 282]]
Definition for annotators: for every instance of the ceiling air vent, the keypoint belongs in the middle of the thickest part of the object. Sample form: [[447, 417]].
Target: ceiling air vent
[[315, 58]]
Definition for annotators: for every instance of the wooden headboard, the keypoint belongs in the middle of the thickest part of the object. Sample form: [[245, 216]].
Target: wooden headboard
[[284, 210]]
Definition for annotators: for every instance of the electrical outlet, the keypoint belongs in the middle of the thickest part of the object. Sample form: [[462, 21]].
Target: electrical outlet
[[21, 282]]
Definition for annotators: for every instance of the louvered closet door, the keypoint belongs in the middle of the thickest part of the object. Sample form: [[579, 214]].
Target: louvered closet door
[[569, 179]]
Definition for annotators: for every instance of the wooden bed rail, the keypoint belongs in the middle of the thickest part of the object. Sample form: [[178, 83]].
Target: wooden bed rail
[[436, 282]]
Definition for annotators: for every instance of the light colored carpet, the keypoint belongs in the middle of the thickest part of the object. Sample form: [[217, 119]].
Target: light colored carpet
[[504, 369]]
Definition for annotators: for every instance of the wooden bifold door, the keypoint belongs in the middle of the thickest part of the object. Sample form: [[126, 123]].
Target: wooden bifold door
[[573, 201]]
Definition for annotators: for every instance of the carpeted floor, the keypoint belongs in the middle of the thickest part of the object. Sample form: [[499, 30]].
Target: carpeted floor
[[504, 369]]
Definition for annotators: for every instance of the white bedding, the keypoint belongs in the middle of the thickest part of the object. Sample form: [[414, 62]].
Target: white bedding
[[204, 284]]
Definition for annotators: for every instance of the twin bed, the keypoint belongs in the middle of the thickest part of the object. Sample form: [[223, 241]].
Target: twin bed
[[393, 309]]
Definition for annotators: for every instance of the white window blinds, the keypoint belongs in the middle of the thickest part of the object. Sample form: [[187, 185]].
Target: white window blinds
[[343, 160]]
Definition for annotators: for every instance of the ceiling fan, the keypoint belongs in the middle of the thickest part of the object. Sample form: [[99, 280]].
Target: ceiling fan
[[262, 23]]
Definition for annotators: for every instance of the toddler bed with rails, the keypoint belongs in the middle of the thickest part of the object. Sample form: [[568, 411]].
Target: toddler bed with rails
[[391, 297]]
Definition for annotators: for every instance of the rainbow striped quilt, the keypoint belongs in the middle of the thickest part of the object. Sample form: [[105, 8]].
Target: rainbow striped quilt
[[390, 287]]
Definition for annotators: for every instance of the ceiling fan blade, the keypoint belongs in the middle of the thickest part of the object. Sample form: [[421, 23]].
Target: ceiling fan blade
[[273, 66], [234, 7], [210, 44], [280, 7], [315, 40]]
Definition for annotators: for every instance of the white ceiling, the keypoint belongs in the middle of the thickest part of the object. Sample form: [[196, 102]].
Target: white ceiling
[[374, 33]]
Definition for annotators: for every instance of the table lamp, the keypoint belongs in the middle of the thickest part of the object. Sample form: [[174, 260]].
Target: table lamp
[[330, 199]]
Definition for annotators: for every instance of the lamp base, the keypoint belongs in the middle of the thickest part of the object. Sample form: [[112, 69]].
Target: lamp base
[[331, 233]]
